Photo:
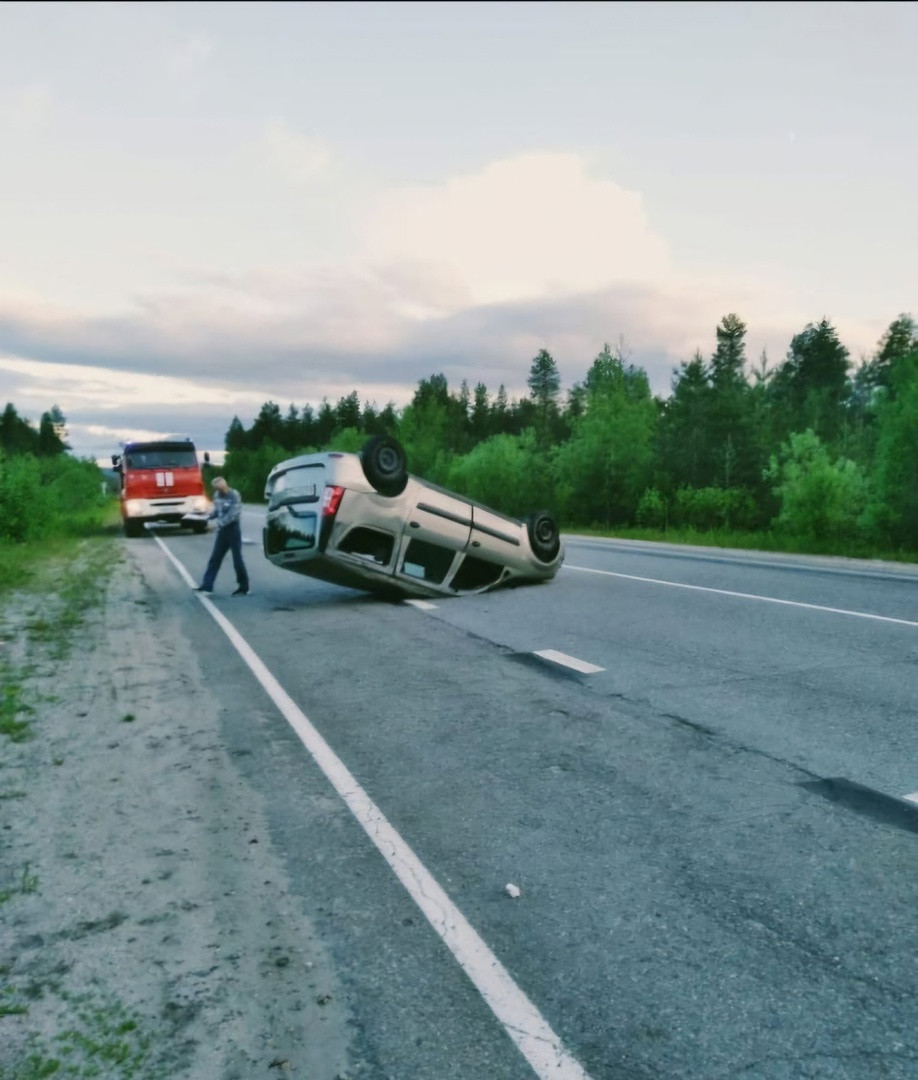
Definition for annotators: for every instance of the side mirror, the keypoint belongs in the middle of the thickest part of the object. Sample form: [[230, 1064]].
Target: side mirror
[[206, 457]]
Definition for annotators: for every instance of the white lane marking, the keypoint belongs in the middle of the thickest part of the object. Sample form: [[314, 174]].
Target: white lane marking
[[568, 661], [519, 1016], [424, 605], [912, 798], [746, 596]]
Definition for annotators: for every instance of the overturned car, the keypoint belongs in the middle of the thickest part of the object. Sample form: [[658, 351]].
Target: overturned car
[[363, 521]]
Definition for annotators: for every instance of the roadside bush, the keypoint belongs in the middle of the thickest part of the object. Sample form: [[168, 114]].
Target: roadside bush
[[651, 511], [820, 499], [504, 472], [710, 508], [42, 497]]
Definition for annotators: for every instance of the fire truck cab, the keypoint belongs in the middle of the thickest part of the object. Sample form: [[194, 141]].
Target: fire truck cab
[[161, 480]]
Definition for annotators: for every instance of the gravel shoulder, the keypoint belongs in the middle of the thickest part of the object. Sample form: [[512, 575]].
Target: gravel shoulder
[[146, 925]]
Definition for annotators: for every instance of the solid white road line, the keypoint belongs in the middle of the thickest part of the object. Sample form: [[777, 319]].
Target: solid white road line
[[568, 661], [424, 605], [519, 1016], [745, 596], [912, 798]]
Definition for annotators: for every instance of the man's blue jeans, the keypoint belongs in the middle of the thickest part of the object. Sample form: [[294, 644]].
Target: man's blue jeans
[[228, 538]]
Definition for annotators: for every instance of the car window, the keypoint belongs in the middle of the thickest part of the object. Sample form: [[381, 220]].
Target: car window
[[474, 573], [426, 561], [300, 485]]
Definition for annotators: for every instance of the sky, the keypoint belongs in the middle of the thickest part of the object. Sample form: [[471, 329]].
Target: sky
[[206, 207]]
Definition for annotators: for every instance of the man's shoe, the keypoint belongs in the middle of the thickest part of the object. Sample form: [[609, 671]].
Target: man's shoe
[[241, 592], [200, 588]]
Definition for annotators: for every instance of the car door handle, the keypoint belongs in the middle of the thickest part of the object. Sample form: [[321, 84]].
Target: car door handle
[[414, 524]]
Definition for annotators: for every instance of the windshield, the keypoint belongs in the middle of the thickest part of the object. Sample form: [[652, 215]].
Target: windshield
[[162, 457], [300, 485]]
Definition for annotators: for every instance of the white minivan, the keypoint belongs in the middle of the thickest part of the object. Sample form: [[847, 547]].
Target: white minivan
[[363, 521]]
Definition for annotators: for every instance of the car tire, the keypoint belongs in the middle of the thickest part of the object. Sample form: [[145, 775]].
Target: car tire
[[133, 528], [384, 464], [199, 527], [544, 536]]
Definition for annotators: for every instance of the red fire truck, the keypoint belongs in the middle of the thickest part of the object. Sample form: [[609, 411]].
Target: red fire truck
[[161, 481]]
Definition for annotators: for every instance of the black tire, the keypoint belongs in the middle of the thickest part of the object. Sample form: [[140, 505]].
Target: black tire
[[544, 536], [384, 464], [199, 527], [133, 528]]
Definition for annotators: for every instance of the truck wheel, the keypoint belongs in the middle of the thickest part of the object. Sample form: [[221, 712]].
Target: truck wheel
[[544, 536], [384, 465], [133, 528], [199, 527]]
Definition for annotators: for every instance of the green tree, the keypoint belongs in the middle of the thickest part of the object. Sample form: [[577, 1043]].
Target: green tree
[[544, 384], [389, 419], [820, 499], [50, 443], [729, 359], [737, 459], [809, 388], [602, 471], [892, 514], [347, 412], [685, 440], [236, 437], [325, 423], [268, 426], [480, 418], [506, 472], [16, 435]]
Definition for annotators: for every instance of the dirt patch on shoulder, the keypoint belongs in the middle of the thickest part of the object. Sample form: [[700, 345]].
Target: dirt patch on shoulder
[[147, 926]]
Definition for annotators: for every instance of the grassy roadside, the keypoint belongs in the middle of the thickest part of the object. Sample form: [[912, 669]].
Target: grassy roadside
[[48, 591], [753, 541]]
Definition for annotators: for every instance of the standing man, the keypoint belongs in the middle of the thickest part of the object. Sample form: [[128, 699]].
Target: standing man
[[227, 510]]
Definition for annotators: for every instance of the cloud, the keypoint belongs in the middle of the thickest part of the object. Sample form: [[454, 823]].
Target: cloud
[[534, 225], [469, 278], [298, 158]]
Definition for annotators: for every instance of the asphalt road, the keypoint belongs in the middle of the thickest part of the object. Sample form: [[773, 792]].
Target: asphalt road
[[716, 858]]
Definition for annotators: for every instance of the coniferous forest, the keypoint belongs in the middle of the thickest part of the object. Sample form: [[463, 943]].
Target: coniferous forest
[[814, 453]]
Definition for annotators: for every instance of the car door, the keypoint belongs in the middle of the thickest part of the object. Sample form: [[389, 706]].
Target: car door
[[494, 537], [437, 528]]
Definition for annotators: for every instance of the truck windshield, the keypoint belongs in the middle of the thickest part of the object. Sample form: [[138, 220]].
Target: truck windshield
[[162, 458]]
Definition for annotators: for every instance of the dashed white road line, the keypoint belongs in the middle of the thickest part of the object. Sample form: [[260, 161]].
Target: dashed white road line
[[424, 605], [519, 1016], [744, 596], [583, 666]]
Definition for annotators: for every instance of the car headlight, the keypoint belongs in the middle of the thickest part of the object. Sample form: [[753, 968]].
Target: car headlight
[[201, 505], [133, 507]]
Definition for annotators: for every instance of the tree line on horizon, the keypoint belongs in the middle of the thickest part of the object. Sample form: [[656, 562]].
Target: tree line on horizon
[[813, 448]]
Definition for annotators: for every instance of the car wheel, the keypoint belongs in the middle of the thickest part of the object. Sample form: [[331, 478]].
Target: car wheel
[[133, 528], [384, 464], [199, 527], [544, 536]]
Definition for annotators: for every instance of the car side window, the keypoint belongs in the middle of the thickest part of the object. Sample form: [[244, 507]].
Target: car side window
[[474, 574], [427, 561]]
